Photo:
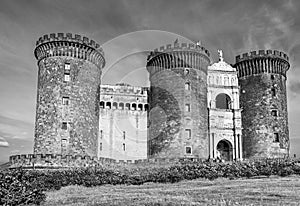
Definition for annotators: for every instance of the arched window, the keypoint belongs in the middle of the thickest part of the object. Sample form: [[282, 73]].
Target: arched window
[[187, 86], [108, 105], [146, 107], [127, 106], [223, 101], [140, 106], [134, 106], [232, 81], [121, 105], [102, 105], [115, 105]]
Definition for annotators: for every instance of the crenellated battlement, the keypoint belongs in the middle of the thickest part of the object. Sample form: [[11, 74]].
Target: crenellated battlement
[[57, 161], [178, 55], [263, 61], [124, 97], [68, 45], [262, 54], [178, 47], [122, 88], [70, 38]]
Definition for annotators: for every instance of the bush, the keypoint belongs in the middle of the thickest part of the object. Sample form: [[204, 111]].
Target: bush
[[28, 186], [17, 187]]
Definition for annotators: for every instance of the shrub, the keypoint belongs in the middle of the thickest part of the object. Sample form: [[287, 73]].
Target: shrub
[[27, 186]]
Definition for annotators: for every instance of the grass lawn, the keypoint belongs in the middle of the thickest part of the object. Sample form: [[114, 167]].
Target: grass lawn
[[260, 191]]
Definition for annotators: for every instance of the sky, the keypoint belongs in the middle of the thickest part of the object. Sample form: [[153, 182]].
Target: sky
[[127, 31]]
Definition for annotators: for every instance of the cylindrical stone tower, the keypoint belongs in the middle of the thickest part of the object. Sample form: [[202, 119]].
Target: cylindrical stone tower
[[262, 80], [178, 119], [67, 112]]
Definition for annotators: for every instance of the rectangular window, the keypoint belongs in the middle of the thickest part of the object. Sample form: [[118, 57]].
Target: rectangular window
[[187, 107], [65, 100], [124, 147], [66, 77], [100, 146], [276, 137], [274, 113], [188, 133], [67, 72], [64, 142], [64, 125], [101, 134], [188, 150], [187, 86], [273, 91], [67, 68]]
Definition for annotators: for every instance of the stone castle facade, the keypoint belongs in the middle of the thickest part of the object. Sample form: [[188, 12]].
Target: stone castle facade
[[194, 108]]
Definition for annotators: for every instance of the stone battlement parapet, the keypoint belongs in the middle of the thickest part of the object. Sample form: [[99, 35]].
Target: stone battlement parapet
[[68, 161], [67, 45], [69, 38], [122, 88], [169, 48], [262, 54]]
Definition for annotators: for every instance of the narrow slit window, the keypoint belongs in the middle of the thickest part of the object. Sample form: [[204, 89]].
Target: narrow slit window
[[273, 91], [100, 146], [124, 147], [276, 137], [124, 135], [101, 134], [187, 107]]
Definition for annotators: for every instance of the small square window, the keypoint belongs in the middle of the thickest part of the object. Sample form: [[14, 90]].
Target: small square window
[[188, 150], [276, 137], [272, 77], [64, 125], [274, 113], [187, 107], [65, 100], [67, 77]]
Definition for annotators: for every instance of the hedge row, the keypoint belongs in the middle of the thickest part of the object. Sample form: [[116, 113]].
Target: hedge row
[[28, 186]]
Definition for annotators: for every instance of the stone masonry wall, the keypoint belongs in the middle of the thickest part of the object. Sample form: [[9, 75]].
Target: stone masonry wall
[[123, 122], [262, 80], [258, 123], [81, 114], [67, 128], [169, 98]]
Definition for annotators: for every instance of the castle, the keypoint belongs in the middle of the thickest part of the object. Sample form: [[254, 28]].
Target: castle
[[194, 108]]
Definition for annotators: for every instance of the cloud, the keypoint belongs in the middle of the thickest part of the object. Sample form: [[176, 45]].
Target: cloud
[[3, 142]]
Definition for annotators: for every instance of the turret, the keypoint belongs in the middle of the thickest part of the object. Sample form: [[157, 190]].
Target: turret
[[67, 111], [178, 101], [263, 98]]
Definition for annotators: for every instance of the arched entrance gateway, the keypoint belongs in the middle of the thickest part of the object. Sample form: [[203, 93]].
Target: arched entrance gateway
[[225, 149]]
